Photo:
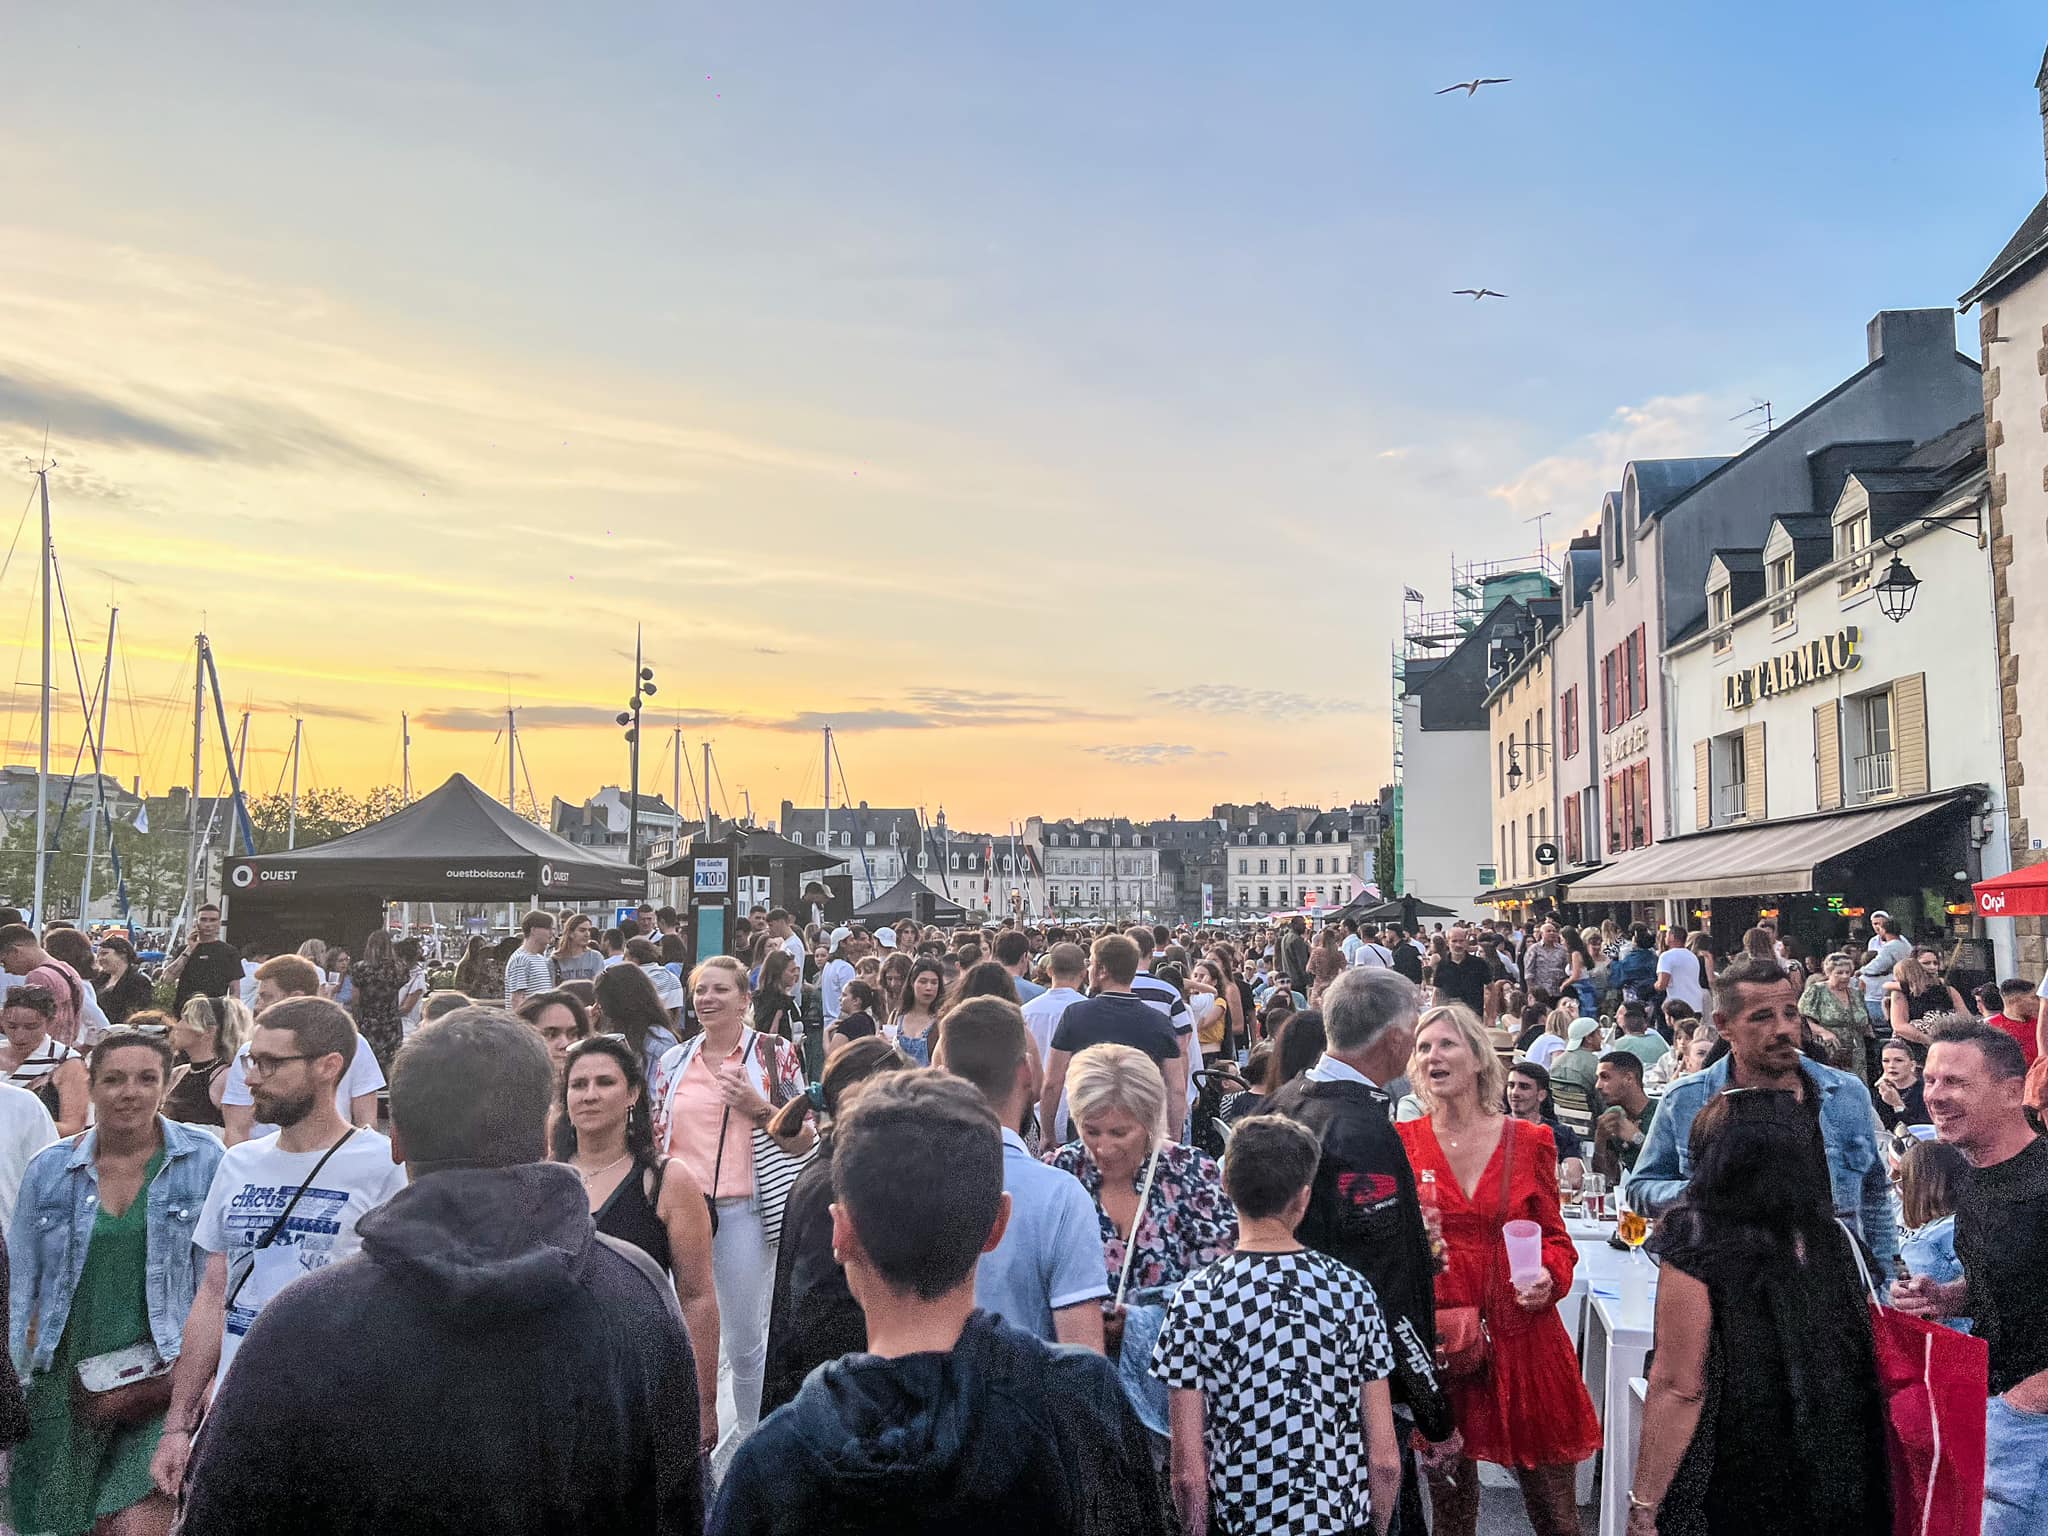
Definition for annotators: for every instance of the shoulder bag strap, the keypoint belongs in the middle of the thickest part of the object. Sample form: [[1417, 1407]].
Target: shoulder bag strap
[[285, 1215], [1137, 1221], [1507, 1165], [1862, 1269]]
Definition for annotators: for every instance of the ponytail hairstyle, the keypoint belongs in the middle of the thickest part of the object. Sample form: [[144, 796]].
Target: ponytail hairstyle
[[845, 1069]]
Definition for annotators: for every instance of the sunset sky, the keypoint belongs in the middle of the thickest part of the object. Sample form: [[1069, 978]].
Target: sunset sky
[[1053, 398]]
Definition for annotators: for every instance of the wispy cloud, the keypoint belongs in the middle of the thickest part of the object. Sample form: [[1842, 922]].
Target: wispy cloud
[[542, 717], [1148, 754], [1571, 481], [1272, 704]]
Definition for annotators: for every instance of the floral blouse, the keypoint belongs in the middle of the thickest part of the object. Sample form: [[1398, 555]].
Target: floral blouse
[[1188, 1221]]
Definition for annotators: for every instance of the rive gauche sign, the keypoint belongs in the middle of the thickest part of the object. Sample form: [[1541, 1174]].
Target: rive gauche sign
[[1829, 656]]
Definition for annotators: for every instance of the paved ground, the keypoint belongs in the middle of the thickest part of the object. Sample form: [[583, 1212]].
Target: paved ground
[[1501, 1514]]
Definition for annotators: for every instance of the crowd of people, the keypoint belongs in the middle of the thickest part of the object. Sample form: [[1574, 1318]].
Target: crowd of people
[[1090, 1228]]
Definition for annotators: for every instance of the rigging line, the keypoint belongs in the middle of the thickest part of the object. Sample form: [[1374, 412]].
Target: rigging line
[[19, 525], [170, 708], [719, 773], [89, 700], [690, 778]]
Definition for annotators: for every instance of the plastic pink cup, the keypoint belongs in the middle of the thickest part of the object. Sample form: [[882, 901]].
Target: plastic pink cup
[[1525, 1252]]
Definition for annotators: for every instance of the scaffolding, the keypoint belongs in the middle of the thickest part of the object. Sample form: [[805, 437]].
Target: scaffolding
[[1431, 634]]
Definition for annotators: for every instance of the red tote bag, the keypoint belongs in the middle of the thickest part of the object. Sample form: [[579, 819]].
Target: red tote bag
[[1935, 1383]]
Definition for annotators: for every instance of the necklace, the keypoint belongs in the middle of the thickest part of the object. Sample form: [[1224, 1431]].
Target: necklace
[[607, 1168]]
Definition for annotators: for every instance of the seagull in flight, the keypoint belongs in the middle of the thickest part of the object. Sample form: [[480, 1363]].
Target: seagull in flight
[[1471, 87], [1478, 293]]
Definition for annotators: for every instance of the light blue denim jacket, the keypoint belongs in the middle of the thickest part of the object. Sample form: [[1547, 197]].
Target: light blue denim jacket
[[1931, 1251], [1848, 1127], [53, 1219]]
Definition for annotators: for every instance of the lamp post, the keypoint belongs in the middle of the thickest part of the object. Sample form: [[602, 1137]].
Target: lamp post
[[629, 717]]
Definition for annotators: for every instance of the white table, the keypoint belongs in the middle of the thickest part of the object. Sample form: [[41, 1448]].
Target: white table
[[1618, 1339]]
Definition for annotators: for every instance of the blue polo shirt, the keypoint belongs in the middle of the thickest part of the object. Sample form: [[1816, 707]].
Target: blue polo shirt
[[1051, 1253]]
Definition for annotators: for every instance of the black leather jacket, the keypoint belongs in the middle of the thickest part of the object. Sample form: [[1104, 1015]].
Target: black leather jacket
[[1364, 1211]]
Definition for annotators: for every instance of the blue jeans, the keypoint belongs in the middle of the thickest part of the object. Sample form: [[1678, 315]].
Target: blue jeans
[[2015, 1471]]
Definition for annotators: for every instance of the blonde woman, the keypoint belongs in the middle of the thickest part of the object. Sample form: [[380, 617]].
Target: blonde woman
[[1527, 1408], [1116, 1100], [710, 1093], [1556, 1035], [1915, 991], [205, 1036]]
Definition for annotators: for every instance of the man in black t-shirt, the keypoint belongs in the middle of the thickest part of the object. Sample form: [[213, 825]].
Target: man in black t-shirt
[[209, 966], [1975, 1090], [1464, 977], [1115, 1015]]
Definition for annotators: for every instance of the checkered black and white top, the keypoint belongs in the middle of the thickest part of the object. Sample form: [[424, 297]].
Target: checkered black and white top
[[1280, 1346]]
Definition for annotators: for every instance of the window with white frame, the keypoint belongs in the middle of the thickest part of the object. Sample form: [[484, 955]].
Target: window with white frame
[[1720, 609], [1778, 582], [1728, 769], [1867, 723]]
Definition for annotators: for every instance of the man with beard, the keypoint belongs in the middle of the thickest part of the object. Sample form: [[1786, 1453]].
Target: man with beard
[[280, 1206]]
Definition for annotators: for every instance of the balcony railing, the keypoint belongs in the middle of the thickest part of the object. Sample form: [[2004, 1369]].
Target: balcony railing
[[1731, 802], [1873, 775]]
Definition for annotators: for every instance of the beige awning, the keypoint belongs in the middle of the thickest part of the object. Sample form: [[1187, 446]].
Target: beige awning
[[1768, 860]]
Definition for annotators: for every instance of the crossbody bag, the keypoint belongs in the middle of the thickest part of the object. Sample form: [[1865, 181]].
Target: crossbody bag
[[1463, 1345]]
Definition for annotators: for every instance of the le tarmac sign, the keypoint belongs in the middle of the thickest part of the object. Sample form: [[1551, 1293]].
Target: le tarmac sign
[[1816, 660]]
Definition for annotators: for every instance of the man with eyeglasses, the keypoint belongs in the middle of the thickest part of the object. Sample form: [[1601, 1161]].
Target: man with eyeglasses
[[280, 1207], [355, 1096]]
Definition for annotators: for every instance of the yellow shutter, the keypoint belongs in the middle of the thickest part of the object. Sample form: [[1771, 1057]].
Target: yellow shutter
[[1702, 785], [1909, 734], [1753, 770], [1827, 754]]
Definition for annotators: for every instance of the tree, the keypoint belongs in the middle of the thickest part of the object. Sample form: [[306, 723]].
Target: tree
[[324, 814], [1383, 861]]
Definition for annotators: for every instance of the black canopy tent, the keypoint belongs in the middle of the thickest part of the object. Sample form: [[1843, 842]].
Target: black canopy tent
[[456, 844], [911, 898], [758, 848]]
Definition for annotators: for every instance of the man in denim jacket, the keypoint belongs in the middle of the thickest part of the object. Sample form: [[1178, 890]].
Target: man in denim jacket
[[1756, 1008]]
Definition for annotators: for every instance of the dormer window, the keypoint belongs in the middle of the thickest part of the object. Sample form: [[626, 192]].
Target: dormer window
[[1778, 585], [1720, 609]]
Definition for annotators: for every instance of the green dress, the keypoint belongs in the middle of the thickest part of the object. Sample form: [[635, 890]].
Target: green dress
[[66, 1476], [1848, 1020]]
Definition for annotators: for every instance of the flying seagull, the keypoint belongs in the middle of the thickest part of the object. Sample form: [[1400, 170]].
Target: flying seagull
[[1471, 87], [1478, 293]]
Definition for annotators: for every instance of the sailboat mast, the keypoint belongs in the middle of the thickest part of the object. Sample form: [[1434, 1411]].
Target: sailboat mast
[[99, 763], [291, 834], [678, 802], [511, 756], [404, 760], [705, 799], [43, 750], [828, 786], [192, 806]]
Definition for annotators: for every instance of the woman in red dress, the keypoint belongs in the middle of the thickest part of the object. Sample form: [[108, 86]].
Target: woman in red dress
[[1526, 1408]]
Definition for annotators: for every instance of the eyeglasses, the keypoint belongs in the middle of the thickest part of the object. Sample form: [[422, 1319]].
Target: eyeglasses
[[263, 1066]]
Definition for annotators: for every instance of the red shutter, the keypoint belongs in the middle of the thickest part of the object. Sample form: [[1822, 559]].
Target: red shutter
[[1607, 693], [1642, 688], [1641, 776]]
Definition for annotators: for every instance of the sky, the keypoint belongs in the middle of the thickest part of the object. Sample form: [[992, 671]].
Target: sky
[[1053, 399]]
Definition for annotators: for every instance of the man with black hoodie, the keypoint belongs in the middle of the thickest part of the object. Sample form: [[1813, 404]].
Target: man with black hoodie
[[1363, 1207], [488, 1363], [953, 1421]]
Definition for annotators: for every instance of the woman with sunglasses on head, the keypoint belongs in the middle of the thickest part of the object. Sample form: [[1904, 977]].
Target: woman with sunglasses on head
[[102, 1262], [627, 1004], [604, 1129], [205, 1036], [118, 982], [813, 1316]]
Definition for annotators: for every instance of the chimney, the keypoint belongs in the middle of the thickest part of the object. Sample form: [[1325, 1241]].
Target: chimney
[[2041, 85], [1903, 333]]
